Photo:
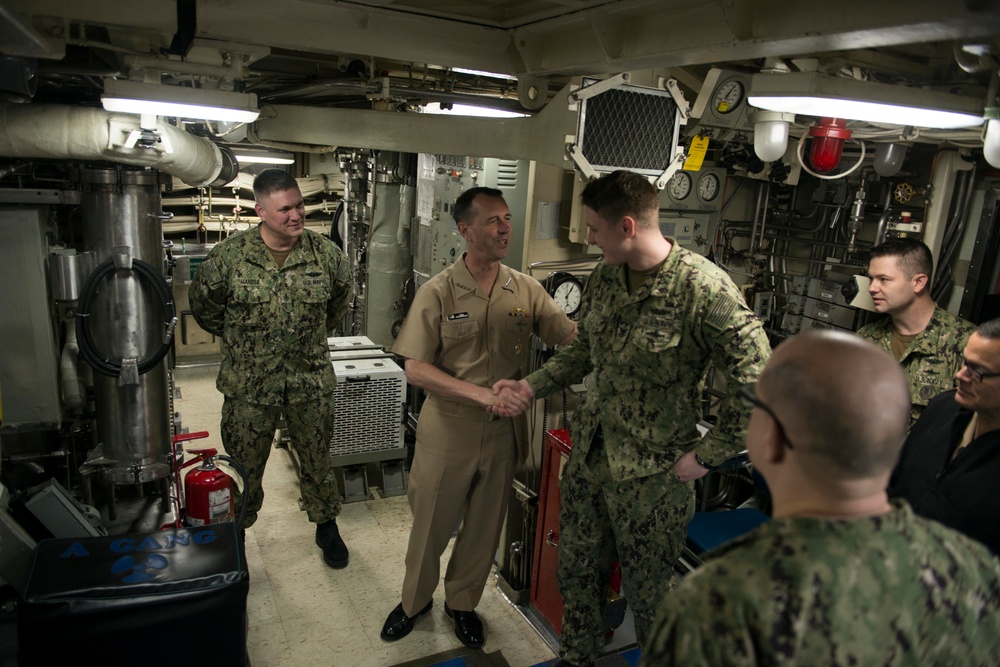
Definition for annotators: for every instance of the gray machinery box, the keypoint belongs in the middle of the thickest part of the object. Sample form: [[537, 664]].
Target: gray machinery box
[[369, 402], [368, 424]]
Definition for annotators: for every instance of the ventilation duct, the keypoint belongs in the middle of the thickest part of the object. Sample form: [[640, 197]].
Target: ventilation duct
[[76, 133]]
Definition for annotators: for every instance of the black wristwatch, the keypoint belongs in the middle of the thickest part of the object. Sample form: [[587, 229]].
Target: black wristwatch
[[700, 462]]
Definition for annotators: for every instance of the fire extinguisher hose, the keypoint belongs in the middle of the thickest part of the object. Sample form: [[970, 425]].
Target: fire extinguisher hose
[[243, 475]]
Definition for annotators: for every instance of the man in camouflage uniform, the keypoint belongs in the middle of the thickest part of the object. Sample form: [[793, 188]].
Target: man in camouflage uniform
[[925, 338], [273, 294], [950, 464], [654, 316], [841, 575]]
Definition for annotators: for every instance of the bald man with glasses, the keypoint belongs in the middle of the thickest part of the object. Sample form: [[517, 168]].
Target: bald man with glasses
[[841, 575], [949, 469]]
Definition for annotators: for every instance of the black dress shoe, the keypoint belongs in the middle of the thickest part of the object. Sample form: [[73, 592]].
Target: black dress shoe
[[328, 539], [398, 624], [468, 627]]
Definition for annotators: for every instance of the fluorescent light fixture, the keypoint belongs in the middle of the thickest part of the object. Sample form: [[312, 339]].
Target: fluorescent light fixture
[[246, 154], [471, 110], [179, 102], [991, 142], [815, 94], [479, 72]]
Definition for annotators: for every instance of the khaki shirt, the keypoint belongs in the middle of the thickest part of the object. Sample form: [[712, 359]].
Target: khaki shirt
[[478, 338]]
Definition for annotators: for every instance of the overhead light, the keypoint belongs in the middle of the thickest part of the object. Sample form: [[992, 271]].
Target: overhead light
[[816, 94], [178, 101], [246, 154], [991, 142], [770, 134], [889, 158], [471, 110]]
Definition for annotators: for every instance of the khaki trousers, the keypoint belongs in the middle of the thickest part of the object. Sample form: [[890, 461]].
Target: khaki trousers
[[462, 469]]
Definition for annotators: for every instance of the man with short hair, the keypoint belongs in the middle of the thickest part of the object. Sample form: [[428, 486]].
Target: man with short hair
[[841, 575], [273, 294], [467, 327], [654, 317], [950, 465], [925, 338]]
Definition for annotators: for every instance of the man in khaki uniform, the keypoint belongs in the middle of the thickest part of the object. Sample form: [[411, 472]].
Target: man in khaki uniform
[[468, 327]]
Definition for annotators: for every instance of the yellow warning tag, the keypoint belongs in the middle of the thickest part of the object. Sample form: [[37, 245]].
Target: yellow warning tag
[[696, 154]]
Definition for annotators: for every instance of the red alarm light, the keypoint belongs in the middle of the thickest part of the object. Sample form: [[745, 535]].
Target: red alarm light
[[827, 143]]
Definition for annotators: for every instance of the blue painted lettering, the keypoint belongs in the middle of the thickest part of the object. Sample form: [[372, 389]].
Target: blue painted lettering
[[148, 544], [204, 537], [123, 545], [182, 539], [75, 549]]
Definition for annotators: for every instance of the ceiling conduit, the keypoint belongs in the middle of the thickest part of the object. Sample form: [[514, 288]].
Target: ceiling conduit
[[80, 133]]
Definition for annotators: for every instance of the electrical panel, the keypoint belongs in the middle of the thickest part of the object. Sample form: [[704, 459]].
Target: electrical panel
[[817, 303], [435, 239]]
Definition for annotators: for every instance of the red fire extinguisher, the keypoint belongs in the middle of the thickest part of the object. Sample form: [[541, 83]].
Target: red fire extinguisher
[[208, 491]]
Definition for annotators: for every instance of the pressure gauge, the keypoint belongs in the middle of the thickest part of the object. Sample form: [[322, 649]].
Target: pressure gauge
[[708, 187], [679, 186], [728, 96], [566, 290]]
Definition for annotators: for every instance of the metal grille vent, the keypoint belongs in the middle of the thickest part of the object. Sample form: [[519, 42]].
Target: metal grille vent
[[628, 129], [369, 405], [960, 272], [507, 172]]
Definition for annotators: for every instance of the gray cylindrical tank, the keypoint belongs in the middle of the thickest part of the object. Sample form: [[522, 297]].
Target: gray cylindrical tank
[[121, 208]]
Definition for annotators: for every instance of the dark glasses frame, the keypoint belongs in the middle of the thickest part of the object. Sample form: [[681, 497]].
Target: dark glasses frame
[[748, 392]]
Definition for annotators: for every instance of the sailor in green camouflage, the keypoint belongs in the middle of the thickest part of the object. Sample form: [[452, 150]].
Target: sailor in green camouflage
[[655, 316], [273, 294], [840, 576], [886, 590], [925, 338], [932, 359]]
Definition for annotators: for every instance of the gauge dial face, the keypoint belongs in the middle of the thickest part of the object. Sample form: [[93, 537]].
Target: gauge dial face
[[708, 187], [728, 96], [680, 185], [568, 295]]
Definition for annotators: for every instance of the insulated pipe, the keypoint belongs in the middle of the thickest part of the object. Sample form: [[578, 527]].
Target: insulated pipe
[[82, 133]]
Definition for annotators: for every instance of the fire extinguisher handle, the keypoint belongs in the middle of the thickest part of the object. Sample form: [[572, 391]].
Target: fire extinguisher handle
[[184, 437], [208, 452]]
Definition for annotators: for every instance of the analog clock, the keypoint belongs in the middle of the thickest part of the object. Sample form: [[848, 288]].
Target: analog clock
[[567, 291]]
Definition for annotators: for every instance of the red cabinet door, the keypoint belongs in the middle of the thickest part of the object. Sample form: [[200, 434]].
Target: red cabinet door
[[545, 597]]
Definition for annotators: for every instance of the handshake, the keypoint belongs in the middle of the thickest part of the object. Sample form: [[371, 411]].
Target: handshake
[[509, 398]]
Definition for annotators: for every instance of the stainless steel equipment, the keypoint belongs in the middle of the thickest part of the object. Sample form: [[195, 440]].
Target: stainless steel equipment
[[122, 215]]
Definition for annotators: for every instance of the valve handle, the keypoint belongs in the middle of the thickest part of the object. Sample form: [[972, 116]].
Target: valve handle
[[184, 437]]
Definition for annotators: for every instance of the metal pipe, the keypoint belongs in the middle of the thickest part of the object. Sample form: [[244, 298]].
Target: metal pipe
[[756, 216], [883, 221], [81, 133], [233, 70]]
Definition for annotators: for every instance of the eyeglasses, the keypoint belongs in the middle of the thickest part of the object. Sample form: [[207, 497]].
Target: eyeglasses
[[977, 374], [748, 393]]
